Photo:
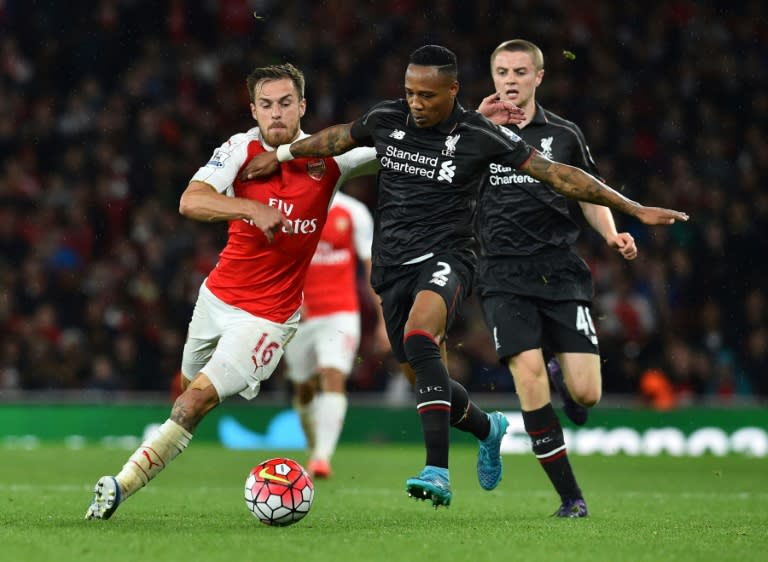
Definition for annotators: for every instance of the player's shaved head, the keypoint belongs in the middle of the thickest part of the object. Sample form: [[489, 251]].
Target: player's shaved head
[[438, 56]]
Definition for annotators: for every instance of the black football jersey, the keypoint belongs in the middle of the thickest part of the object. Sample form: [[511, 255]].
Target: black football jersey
[[430, 177], [519, 216]]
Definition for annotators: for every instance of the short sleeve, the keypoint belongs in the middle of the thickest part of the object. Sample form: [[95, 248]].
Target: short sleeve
[[222, 168]]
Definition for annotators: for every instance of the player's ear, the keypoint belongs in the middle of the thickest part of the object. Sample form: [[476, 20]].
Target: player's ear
[[302, 107], [454, 88], [253, 111], [539, 77]]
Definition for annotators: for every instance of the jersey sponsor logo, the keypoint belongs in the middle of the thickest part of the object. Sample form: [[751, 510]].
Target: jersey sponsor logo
[[326, 254], [447, 171], [499, 168], [397, 134], [316, 169], [546, 147], [415, 157], [413, 163], [511, 179], [450, 145], [505, 175], [299, 225], [217, 160]]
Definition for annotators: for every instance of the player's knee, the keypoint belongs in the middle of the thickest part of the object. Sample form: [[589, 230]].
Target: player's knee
[[587, 396], [192, 406], [304, 393], [530, 385], [332, 380]]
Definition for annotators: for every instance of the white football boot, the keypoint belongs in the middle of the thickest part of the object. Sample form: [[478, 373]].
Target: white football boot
[[106, 498]]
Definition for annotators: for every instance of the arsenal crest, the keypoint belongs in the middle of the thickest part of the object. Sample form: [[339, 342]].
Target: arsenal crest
[[316, 169]]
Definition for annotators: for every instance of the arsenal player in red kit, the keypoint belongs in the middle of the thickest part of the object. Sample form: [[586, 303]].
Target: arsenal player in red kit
[[248, 307]]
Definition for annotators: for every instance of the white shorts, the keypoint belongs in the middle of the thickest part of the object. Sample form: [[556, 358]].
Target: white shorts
[[324, 342], [234, 348]]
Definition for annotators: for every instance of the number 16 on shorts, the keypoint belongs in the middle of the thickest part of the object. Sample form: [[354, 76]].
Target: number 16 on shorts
[[263, 351]]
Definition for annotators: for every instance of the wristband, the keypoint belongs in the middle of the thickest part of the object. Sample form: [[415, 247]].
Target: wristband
[[283, 153]]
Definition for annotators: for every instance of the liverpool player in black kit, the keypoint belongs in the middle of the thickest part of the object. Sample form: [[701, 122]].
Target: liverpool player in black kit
[[534, 290], [432, 154]]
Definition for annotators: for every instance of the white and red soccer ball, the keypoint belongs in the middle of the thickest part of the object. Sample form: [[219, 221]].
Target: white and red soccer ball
[[279, 492]]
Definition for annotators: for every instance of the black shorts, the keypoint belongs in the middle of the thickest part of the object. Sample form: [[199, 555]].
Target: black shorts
[[519, 323], [449, 275], [555, 275]]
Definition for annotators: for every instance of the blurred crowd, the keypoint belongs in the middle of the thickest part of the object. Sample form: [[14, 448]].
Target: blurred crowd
[[108, 107]]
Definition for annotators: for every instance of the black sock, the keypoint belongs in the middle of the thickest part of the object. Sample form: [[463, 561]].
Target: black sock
[[433, 394], [548, 445], [465, 415]]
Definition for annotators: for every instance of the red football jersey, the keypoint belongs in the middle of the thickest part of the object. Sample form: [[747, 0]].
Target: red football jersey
[[266, 279], [331, 284]]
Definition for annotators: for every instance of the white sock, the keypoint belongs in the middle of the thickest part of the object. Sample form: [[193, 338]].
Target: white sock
[[155, 453], [330, 411], [306, 414]]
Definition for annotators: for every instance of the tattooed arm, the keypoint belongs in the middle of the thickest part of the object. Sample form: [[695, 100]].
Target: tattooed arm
[[577, 184], [331, 141]]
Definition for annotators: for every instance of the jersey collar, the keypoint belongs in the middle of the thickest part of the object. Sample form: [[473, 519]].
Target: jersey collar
[[540, 117]]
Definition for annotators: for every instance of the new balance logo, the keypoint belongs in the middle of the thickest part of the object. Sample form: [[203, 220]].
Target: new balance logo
[[447, 171], [397, 134]]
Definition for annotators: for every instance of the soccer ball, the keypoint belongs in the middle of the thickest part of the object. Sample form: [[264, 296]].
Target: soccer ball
[[279, 492]]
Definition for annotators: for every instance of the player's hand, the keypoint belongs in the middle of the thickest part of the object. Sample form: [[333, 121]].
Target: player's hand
[[623, 243], [269, 220], [264, 164], [658, 215], [499, 111]]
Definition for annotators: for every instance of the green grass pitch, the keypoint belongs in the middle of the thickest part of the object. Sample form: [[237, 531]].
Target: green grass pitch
[[642, 509]]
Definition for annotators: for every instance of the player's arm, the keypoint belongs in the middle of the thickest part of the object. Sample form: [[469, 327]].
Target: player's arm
[[202, 202], [601, 220], [331, 141], [577, 184]]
